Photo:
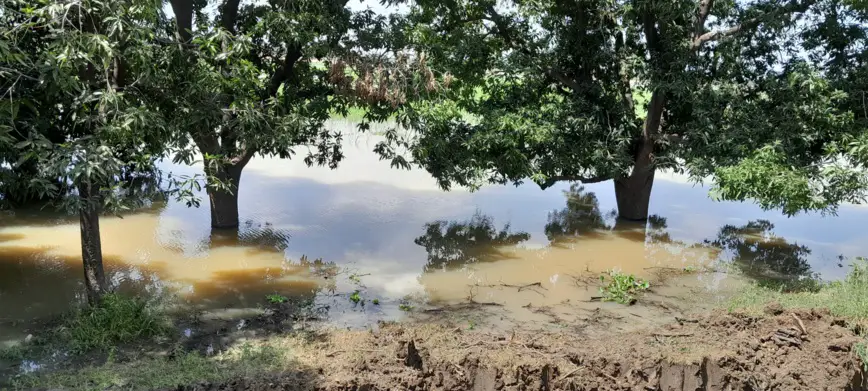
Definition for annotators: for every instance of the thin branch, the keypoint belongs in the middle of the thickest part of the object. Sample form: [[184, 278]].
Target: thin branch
[[574, 178], [791, 8]]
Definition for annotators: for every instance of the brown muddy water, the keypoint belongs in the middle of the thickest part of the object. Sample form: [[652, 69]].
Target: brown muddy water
[[524, 256]]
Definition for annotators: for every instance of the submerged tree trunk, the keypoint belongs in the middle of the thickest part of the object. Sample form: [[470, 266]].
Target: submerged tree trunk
[[91, 247], [224, 200], [633, 193]]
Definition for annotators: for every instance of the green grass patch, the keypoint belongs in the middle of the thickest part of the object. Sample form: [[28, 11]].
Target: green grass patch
[[621, 288], [118, 319], [847, 298], [248, 360]]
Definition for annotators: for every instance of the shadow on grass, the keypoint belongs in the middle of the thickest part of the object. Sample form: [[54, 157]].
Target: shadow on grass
[[248, 360]]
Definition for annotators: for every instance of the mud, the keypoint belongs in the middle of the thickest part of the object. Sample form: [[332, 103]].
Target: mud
[[793, 351]]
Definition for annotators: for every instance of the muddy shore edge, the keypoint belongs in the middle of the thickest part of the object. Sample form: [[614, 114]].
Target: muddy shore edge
[[783, 350]]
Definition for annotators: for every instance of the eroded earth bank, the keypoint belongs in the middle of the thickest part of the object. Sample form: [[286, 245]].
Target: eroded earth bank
[[780, 350]]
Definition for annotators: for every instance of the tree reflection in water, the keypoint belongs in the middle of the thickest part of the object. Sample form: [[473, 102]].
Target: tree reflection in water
[[761, 255], [752, 248], [454, 244]]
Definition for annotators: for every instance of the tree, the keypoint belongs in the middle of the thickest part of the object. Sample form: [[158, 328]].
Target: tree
[[601, 90], [74, 112], [263, 77]]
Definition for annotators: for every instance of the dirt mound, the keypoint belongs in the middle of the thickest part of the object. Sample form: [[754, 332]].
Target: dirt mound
[[792, 351]]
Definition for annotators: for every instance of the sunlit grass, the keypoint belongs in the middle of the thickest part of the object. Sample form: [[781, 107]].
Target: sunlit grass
[[118, 319], [847, 298]]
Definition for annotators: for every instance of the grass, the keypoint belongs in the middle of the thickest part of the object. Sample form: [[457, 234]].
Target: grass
[[118, 319], [847, 298], [276, 298], [621, 288], [247, 360]]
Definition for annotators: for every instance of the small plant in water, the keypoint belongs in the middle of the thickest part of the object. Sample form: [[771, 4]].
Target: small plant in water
[[276, 298], [356, 297], [405, 307], [621, 288], [376, 301]]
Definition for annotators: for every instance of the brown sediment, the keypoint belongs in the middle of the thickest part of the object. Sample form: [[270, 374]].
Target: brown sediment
[[793, 351]]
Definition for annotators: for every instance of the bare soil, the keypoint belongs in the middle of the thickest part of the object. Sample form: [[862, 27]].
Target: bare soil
[[792, 351]]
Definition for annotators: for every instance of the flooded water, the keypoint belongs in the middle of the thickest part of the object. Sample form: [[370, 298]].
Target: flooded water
[[395, 237]]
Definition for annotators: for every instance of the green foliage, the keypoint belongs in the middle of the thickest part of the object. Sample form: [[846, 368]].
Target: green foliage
[[861, 350], [116, 320], [622, 288], [376, 301], [406, 307], [276, 298], [847, 298], [160, 372], [765, 97], [356, 297]]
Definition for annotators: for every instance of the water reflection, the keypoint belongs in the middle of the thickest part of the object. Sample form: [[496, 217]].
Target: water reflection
[[455, 244], [760, 254], [409, 238]]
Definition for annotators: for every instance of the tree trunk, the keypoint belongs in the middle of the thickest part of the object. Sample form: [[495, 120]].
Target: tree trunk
[[224, 201], [91, 248], [633, 193]]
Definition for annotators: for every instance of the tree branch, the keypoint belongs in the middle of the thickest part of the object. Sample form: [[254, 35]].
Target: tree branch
[[574, 178], [701, 16], [183, 10], [229, 14], [284, 71], [791, 8], [502, 30], [241, 161]]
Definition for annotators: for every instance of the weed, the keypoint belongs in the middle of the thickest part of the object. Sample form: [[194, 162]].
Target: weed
[[356, 297], [117, 319], [276, 298], [622, 288], [13, 353], [376, 301], [689, 269], [405, 307], [471, 325]]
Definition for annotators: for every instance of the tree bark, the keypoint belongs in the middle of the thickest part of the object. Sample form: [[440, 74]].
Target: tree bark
[[91, 248], [224, 201], [633, 193]]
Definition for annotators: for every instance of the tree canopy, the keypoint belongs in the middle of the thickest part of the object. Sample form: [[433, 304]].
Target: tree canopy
[[263, 77], [764, 97]]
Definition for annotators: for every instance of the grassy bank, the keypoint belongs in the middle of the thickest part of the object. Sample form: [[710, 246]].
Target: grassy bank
[[847, 298], [245, 360]]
